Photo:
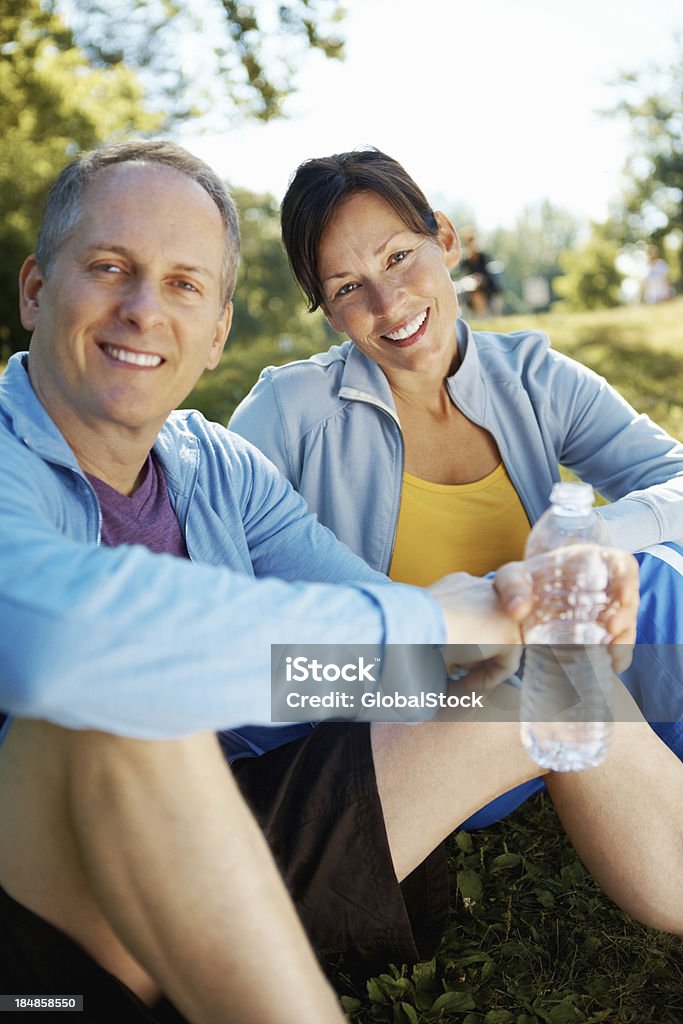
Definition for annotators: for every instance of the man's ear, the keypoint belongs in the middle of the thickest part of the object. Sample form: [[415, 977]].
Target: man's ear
[[448, 239], [220, 337], [31, 281]]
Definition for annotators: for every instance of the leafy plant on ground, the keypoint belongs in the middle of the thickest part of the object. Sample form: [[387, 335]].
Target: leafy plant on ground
[[530, 940]]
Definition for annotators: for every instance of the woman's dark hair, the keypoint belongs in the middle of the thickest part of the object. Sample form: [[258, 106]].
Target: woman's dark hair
[[318, 189]]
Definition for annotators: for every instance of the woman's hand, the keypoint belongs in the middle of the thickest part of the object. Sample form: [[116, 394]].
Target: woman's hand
[[488, 614], [514, 584]]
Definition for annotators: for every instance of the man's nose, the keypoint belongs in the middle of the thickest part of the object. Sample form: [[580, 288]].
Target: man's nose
[[143, 304]]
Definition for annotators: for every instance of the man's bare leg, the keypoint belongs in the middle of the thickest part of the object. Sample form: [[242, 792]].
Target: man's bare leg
[[145, 854]]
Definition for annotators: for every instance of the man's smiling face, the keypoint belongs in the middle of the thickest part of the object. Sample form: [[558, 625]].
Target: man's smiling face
[[132, 311]]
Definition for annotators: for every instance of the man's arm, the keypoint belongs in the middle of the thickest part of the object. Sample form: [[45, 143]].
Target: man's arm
[[153, 646]]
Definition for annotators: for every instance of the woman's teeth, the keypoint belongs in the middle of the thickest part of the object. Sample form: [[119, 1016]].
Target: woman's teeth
[[410, 328]]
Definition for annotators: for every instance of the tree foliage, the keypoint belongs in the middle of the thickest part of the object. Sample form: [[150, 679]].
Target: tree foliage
[[270, 323], [226, 57], [76, 73], [652, 101], [268, 303], [532, 247], [54, 103], [590, 278]]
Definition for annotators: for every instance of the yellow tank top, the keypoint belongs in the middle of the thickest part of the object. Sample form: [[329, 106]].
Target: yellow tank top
[[446, 528]]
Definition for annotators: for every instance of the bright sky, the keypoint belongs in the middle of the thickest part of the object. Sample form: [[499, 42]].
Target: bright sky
[[490, 104]]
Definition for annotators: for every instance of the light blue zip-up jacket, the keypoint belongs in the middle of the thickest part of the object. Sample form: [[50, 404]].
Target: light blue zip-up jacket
[[149, 645], [330, 425]]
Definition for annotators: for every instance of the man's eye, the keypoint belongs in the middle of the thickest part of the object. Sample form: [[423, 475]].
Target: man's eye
[[108, 268], [186, 286], [398, 257]]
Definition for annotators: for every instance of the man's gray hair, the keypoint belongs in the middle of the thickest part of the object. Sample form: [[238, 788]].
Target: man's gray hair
[[64, 206]]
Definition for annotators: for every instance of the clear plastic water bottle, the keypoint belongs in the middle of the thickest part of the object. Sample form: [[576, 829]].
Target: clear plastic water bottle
[[565, 717]]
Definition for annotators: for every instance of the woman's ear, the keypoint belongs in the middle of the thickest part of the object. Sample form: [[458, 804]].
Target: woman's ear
[[448, 239]]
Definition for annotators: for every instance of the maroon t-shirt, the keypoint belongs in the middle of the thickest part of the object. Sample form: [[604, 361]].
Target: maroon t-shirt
[[146, 517]]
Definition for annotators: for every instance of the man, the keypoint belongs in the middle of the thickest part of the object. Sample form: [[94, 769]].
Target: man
[[480, 286], [129, 602]]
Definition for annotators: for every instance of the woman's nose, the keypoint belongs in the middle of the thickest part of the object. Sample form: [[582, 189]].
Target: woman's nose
[[385, 296]]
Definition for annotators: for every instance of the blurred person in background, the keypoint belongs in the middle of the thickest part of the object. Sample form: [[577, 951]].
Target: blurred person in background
[[657, 285], [479, 287]]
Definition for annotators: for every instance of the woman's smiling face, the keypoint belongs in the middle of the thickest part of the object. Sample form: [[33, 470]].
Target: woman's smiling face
[[388, 287]]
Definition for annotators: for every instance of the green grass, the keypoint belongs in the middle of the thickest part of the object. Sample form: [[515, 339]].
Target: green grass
[[540, 944], [530, 940]]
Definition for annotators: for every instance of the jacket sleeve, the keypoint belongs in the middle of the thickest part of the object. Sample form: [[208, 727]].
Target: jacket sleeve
[[154, 646], [627, 457], [285, 539], [258, 418]]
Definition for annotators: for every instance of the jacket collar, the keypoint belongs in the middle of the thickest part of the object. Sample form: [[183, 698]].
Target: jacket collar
[[466, 385], [38, 431], [30, 419], [363, 379]]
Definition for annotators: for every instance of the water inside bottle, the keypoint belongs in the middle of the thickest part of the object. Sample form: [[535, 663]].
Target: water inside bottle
[[566, 722]]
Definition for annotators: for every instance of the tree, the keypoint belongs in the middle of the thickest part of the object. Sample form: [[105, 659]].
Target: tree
[[54, 104], [590, 278], [531, 249], [268, 304], [226, 57], [652, 204], [270, 324], [118, 68]]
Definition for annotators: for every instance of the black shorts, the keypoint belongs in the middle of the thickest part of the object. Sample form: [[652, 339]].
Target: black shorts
[[316, 800], [317, 803], [39, 959]]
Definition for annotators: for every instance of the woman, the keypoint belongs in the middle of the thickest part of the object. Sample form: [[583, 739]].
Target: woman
[[427, 447]]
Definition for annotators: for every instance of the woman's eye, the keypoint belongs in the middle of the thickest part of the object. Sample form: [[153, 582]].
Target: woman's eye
[[398, 257], [186, 286], [346, 289]]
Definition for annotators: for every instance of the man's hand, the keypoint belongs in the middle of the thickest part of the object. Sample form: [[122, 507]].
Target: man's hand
[[481, 632], [474, 611]]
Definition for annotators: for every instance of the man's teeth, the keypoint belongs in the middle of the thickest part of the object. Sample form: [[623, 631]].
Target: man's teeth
[[124, 355], [410, 328]]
